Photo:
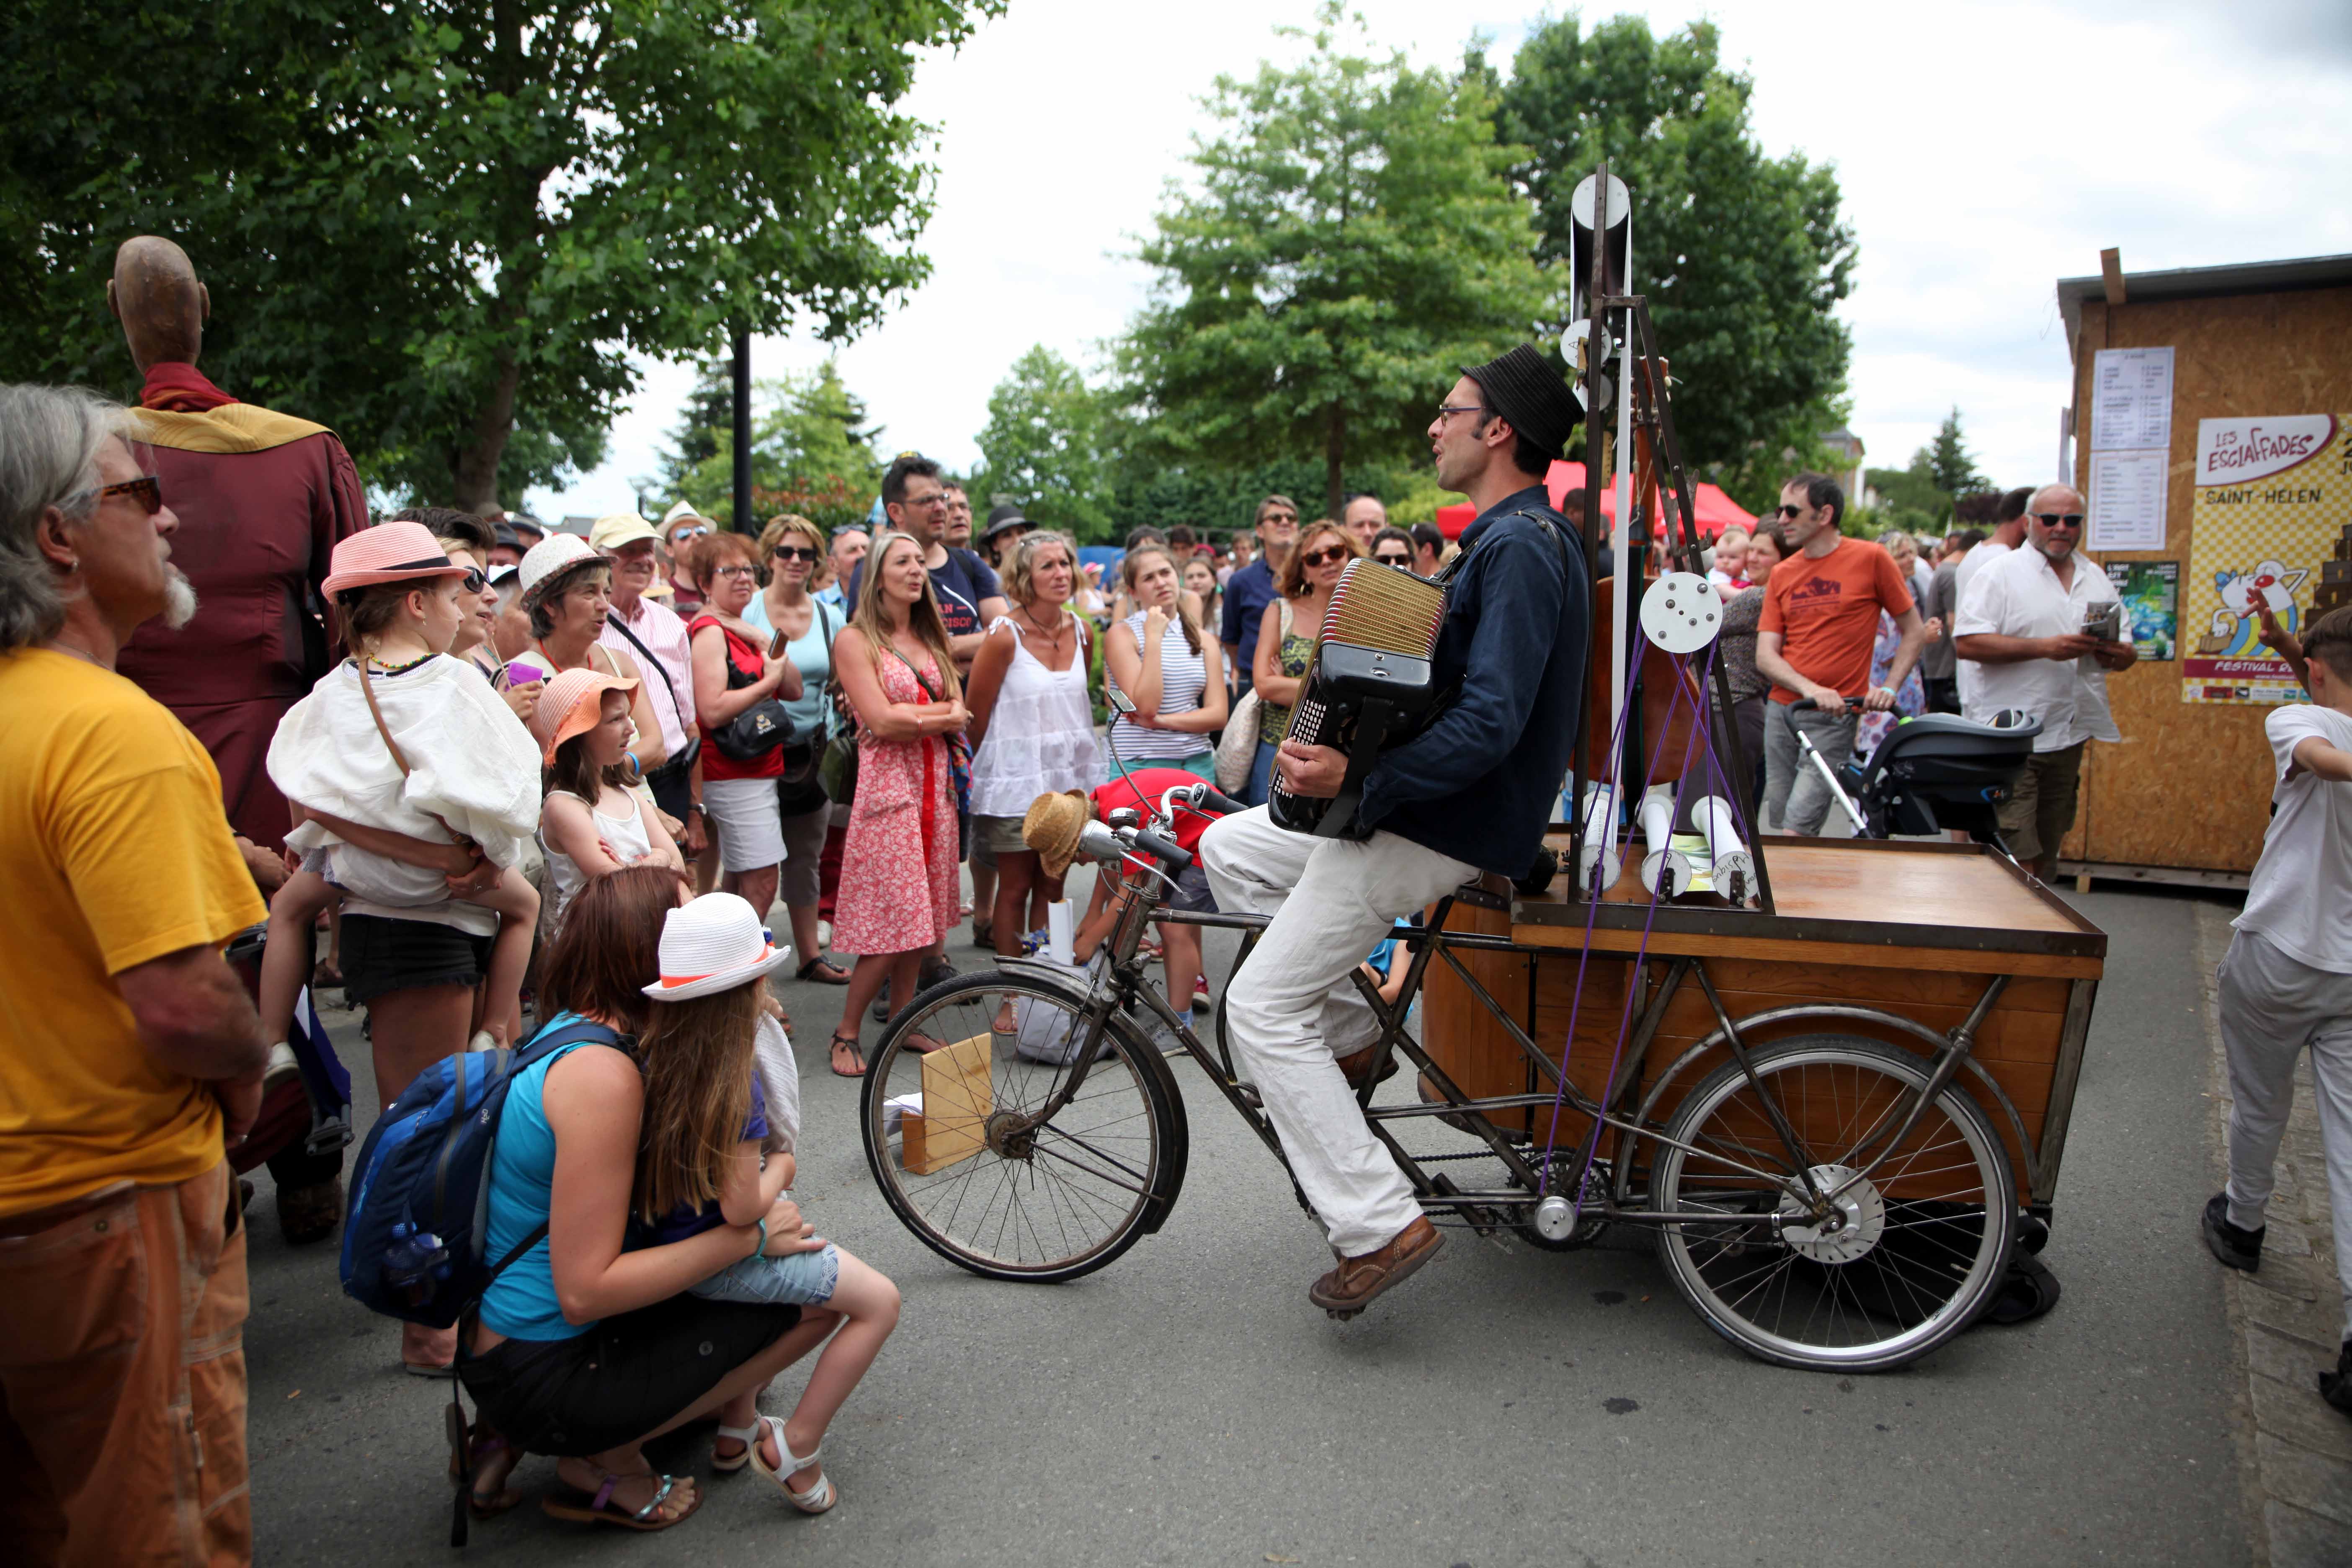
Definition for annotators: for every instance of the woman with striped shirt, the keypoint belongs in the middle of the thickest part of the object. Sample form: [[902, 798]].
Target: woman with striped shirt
[[1158, 662]]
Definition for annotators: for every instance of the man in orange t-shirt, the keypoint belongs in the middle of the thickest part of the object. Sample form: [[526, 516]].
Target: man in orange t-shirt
[[1813, 642]]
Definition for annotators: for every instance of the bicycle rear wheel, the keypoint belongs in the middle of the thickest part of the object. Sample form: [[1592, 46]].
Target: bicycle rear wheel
[[1916, 1246], [953, 1138]]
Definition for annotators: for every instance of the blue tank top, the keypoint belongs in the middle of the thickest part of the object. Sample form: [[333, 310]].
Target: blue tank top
[[521, 1303]]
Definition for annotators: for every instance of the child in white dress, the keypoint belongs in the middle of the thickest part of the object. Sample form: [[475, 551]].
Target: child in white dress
[[408, 774]]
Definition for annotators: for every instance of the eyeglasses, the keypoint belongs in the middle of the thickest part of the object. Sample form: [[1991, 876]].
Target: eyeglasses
[[1317, 557], [796, 553], [146, 490], [1279, 520], [1448, 410], [738, 571], [2059, 518]]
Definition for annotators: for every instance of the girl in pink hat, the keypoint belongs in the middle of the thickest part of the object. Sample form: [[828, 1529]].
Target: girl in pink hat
[[413, 785], [591, 824]]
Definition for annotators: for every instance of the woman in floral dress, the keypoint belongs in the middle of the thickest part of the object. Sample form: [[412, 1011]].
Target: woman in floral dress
[[898, 884]]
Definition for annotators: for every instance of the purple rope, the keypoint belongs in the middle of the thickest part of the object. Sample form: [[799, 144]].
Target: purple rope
[[1641, 955]]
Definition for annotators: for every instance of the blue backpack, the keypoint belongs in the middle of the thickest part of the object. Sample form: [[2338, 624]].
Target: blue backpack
[[420, 1197]]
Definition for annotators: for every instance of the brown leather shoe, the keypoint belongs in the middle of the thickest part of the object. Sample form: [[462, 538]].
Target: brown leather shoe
[[1349, 1288], [1356, 1064]]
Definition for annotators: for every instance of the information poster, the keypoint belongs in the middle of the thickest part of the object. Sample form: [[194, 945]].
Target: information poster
[[2150, 591], [2131, 400], [2272, 496], [2127, 501]]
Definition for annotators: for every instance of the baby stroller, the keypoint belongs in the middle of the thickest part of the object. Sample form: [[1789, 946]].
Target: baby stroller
[[1932, 773]]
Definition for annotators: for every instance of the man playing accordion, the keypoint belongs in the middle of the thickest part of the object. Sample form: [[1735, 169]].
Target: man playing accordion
[[1471, 792]]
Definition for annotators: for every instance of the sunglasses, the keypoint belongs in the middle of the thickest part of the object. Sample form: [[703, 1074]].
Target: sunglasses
[[2059, 518], [796, 553], [1278, 519], [146, 490], [689, 532], [1317, 557], [475, 580], [1791, 512], [1393, 558]]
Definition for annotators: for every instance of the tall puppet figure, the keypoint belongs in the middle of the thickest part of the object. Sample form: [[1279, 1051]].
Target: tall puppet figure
[[262, 499]]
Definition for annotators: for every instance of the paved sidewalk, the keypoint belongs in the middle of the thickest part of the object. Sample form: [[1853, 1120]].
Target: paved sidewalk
[[2294, 1452]]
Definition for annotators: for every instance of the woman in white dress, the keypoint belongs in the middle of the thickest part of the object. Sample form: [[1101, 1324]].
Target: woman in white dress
[[1033, 728]]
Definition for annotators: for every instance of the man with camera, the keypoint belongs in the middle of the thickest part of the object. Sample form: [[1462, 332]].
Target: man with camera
[[2043, 625]]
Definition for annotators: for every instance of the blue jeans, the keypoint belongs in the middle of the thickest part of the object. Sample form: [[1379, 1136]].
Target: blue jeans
[[1261, 773], [801, 1280]]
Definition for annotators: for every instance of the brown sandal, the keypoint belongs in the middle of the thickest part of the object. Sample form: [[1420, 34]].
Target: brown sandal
[[842, 1042]]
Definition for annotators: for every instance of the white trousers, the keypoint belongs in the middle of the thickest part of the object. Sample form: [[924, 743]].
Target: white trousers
[[1293, 1008], [2273, 1007]]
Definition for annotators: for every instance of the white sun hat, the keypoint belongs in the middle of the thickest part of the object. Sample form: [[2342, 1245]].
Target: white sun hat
[[715, 943], [556, 553]]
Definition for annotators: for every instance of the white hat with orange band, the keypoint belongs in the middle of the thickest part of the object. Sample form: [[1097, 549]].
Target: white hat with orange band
[[713, 945]]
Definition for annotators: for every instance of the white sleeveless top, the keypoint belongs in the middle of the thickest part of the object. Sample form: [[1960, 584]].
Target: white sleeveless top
[[1041, 734], [625, 836], [1183, 681]]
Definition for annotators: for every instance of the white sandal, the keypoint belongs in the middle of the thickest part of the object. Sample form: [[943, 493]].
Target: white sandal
[[747, 1436], [818, 1498]]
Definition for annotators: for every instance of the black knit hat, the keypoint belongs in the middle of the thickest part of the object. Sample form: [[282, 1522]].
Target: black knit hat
[[1523, 387]]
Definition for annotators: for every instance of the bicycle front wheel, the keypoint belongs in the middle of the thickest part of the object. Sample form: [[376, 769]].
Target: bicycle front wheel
[[956, 1137], [1910, 1243]]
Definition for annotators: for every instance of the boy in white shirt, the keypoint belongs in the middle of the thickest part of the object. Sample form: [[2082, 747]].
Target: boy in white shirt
[[2286, 982]]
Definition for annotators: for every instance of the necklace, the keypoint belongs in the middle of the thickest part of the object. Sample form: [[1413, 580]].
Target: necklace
[[1053, 637], [61, 645]]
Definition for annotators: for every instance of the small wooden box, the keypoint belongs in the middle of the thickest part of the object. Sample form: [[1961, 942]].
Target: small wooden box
[[959, 1092]]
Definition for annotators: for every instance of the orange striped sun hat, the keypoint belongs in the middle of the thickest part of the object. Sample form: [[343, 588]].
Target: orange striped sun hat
[[571, 704], [713, 945]]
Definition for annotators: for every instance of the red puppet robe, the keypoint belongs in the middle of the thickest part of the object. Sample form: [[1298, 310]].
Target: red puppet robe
[[262, 499]]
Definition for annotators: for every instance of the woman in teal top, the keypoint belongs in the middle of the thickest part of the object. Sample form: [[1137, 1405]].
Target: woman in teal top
[[790, 549], [584, 1349]]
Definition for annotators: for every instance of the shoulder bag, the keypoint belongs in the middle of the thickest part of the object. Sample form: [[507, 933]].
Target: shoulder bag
[[760, 729], [801, 790], [1237, 747]]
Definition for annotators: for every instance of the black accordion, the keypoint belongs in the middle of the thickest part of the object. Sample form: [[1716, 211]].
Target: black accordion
[[1367, 685]]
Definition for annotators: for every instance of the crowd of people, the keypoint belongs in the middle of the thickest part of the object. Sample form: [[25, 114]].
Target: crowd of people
[[527, 782]]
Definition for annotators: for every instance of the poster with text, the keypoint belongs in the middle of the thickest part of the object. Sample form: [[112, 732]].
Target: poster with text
[[2150, 591], [2272, 496]]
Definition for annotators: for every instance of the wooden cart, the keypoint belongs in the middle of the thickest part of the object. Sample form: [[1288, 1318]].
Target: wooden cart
[[1898, 942]]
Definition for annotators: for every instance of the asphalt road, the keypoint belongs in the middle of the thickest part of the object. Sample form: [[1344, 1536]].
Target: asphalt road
[[1187, 1406]]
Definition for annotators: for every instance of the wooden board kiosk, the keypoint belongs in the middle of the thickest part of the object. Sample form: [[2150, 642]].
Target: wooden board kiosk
[[2186, 796]]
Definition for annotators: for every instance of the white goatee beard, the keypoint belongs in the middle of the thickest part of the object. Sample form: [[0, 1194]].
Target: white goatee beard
[[179, 598]]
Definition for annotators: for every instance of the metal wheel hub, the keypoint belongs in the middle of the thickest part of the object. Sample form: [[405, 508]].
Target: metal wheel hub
[[1010, 1136], [1857, 1219]]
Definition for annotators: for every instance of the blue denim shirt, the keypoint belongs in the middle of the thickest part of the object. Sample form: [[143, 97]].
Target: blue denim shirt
[[1478, 784]]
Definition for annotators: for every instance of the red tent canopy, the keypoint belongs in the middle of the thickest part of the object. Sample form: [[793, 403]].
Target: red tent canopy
[[1715, 510]]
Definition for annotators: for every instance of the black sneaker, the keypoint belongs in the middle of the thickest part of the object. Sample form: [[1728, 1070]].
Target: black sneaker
[[2335, 1387], [2237, 1248], [934, 971]]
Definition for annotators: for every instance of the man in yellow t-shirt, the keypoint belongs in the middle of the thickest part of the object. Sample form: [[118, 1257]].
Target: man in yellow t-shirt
[[129, 1053]]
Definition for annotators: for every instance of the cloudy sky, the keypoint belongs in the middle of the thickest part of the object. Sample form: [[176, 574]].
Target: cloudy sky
[[1985, 149]]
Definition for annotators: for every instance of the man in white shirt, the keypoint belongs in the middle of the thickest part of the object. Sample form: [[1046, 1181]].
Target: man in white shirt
[[2008, 534], [2022, 621], [2286, 982], [652, 634]]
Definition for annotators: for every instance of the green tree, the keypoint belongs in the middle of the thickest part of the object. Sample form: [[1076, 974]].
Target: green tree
[[1043, 445], [1350, 242], [811, 448], [1742, 257], [1949, 462], [442, 227]]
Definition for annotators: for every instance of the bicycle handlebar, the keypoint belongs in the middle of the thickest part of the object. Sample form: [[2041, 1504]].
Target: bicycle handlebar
[[1167, 849]]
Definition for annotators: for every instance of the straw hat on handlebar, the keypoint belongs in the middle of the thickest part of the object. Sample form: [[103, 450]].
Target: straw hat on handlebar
[[1051, 826]]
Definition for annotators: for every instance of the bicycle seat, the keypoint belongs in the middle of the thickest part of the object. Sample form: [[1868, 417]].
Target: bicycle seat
[[1940, 771]]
